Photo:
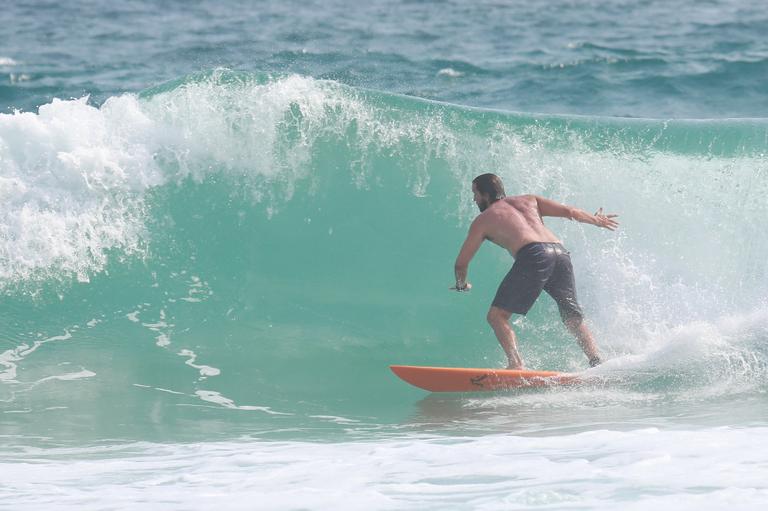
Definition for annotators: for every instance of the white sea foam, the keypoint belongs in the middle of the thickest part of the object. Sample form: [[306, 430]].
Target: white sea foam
[[450, 72], [11, 357], [649, 468], [83, 373], [71, 184], [204, 370], [212, 396], [163, 340]]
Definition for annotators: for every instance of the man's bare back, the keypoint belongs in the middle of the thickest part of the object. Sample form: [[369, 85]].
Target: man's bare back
[[514, 222]]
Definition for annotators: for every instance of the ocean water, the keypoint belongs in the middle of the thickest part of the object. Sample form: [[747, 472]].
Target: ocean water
[[220, 222]]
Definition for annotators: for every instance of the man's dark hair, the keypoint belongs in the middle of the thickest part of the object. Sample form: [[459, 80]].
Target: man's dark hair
[[490, 185]]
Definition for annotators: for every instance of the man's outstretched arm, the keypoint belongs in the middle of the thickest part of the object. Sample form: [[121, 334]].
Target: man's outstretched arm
[[549, 207], [475, 238]]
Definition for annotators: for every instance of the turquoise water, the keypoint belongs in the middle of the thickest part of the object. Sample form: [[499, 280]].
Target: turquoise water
[[221, 222]]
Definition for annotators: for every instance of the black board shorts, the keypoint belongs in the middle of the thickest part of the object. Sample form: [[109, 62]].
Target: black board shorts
[[540, 266]]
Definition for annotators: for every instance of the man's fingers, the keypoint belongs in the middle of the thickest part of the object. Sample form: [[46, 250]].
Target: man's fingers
[[606, 221], [599, 212]]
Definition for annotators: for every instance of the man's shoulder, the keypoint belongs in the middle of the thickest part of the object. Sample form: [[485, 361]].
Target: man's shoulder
[[519, 200], [481, 220], [525, 197]]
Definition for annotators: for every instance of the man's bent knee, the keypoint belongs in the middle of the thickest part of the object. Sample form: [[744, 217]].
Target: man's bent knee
[[573, 322], [497, 316]]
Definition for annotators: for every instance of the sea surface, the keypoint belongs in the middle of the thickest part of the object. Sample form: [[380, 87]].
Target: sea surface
[[221, 222]]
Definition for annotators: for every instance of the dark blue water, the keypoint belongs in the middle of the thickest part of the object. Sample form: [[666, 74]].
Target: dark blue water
[[656, 59]]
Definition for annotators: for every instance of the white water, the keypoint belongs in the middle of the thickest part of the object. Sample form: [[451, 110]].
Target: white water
[[703, 469]]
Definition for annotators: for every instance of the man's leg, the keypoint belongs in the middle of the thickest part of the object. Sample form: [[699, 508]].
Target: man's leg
[[498, 318], [578, 329], [562, 287]]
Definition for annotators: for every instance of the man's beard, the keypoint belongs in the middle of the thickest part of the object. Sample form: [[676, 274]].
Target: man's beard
[[483, 205]]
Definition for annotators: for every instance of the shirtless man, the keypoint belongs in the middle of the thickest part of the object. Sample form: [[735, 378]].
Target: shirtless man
[[541, 261]]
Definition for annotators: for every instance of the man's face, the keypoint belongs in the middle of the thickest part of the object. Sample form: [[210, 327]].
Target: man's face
[[480, 199]]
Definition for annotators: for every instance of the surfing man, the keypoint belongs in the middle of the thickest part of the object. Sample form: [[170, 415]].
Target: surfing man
[[541, 261]]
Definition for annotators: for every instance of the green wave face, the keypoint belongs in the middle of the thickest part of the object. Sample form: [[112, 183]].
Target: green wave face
[[248, 253]]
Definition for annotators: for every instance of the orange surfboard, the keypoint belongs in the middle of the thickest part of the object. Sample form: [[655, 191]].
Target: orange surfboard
[[465, 379]]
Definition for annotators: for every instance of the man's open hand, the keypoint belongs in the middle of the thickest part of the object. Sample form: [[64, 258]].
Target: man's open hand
[[606, 221]]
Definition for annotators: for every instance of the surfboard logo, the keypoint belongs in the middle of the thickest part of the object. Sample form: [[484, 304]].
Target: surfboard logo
[[478, 380]]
